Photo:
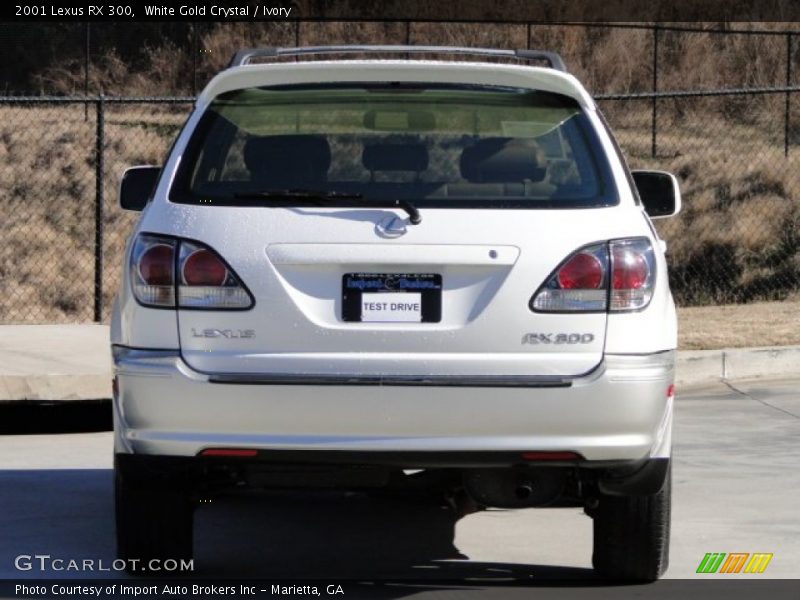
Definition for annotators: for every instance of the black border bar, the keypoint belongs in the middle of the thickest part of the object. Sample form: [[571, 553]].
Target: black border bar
[[465, 11]]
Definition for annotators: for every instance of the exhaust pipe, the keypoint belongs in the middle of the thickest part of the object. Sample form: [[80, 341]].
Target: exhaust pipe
[[524, 491], [515, 488]]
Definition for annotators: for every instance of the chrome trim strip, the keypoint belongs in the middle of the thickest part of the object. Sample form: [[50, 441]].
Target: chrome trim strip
[[619, 367], [405, 380]]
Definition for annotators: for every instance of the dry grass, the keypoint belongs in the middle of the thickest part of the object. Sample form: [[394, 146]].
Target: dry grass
[[739, 325], [48, 190], [606, 60], [737, 240]]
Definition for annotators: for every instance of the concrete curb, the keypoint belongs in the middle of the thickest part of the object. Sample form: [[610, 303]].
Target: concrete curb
[[54, 388], [697, 367], [54, 363], [57, 363]]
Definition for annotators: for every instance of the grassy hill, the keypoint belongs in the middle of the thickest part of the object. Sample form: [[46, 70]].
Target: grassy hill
[[736, 240]]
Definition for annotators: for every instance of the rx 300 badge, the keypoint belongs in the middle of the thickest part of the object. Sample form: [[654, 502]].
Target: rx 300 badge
[[557, 338]]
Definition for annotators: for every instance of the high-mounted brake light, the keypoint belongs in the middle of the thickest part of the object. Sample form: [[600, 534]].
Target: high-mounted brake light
[[160, 266], [616, 276]]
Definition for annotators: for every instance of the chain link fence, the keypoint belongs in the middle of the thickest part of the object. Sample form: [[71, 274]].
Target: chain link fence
[[62, 230], [737, 239]]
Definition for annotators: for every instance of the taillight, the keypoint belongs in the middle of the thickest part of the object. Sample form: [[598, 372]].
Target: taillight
[[152, 271], [203, 279], [206, 282], [583, 271], [155, 265], [633, 274], [202, 267], [615, 276], [578, 285]]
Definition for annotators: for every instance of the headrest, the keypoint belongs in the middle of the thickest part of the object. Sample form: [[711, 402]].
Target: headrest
[[288, 157], [395, 157], [503, 160]]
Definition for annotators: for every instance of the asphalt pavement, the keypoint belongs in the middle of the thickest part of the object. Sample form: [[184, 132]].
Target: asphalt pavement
[[736, 482]]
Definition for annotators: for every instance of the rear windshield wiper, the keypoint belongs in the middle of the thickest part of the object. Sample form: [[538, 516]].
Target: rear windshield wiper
[[321, 198]]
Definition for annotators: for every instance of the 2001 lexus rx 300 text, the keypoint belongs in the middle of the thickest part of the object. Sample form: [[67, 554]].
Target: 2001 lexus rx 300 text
[[397, 274]]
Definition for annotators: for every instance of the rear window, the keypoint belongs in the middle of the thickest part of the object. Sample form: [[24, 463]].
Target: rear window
[[440, 147]]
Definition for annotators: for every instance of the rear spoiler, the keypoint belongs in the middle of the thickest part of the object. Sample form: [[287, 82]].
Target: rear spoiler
[[244, 57]]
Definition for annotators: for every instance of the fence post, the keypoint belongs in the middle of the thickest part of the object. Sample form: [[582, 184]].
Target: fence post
[[195, 52], [788, 83], [86, 70], [98, 208], [654, 132]]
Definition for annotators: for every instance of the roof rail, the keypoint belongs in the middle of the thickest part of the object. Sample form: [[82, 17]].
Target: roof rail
[[243, 57]]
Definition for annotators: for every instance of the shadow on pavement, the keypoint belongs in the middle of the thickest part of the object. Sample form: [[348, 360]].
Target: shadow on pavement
[[69, 514], [74, 416]]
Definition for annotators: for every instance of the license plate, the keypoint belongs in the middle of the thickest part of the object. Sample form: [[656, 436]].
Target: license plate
[[392, 297]]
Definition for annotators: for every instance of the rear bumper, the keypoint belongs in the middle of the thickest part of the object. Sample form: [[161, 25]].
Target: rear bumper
[[618, 412]]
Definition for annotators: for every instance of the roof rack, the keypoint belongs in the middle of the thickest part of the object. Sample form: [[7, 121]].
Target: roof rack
[[243, 57]]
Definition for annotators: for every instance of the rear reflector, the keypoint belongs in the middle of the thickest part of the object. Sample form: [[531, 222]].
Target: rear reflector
[[550, 456], [235, 452]]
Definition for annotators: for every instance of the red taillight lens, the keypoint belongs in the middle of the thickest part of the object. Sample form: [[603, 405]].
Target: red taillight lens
[[633, 274], [152, 270], [580, 284], [156, 265], [630, 269], [202, 267], [583, 271], [205, 280]]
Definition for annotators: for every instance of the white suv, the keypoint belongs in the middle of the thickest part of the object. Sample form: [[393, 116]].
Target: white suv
[[397, 274]]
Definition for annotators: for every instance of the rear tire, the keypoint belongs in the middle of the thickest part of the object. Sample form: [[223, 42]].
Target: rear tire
[[152, 522], [631, 535]]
